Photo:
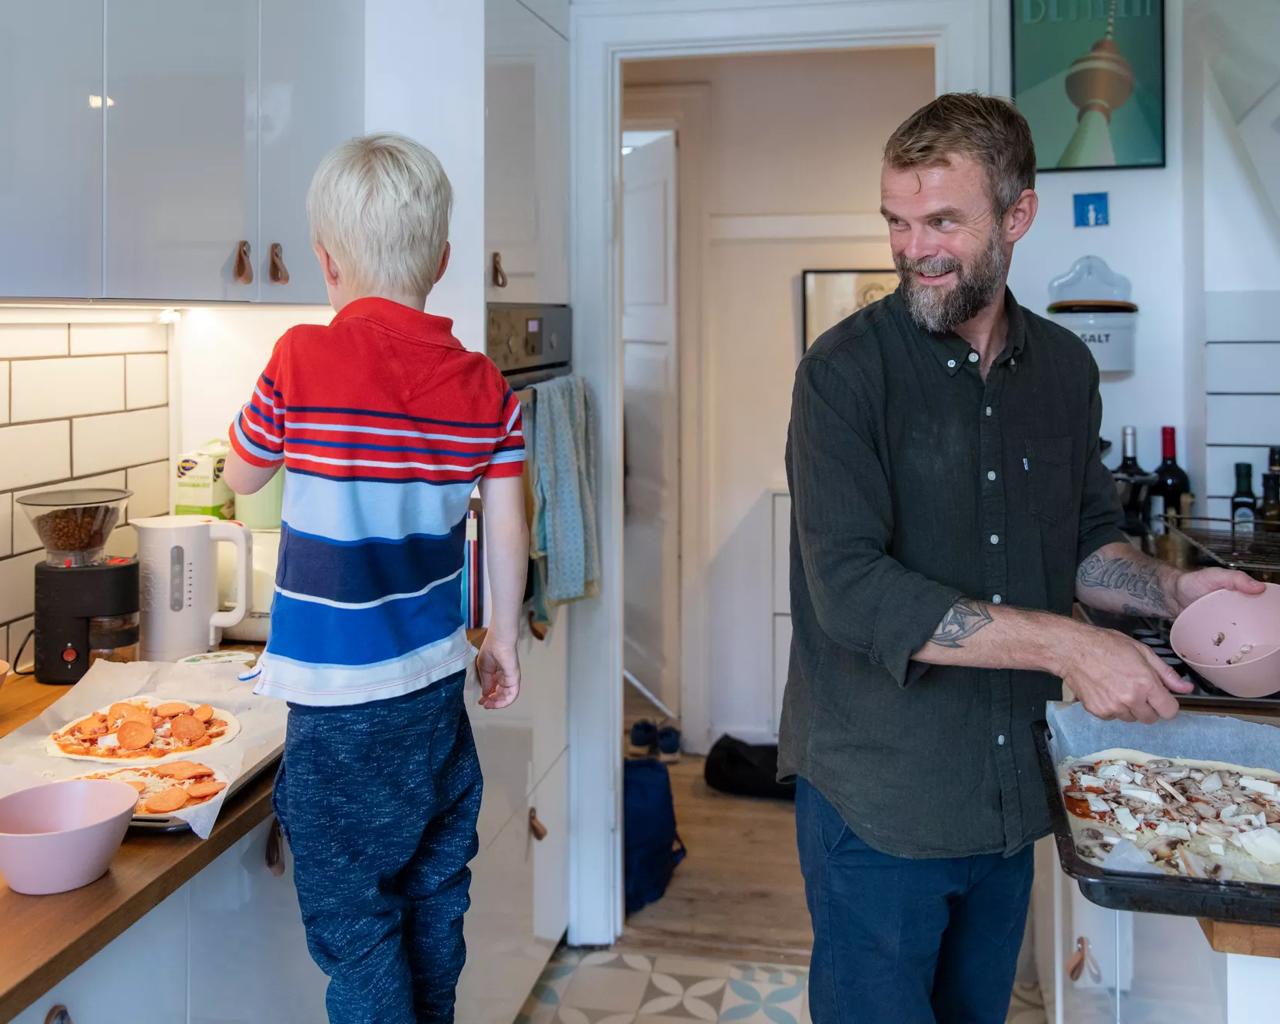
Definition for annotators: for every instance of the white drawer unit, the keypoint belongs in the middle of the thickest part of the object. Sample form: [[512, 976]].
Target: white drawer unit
[[781, 604], [781, 660], [519, 904]]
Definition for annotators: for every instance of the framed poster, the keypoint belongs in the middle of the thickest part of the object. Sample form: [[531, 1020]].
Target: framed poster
[[1088, 75], [831, 295]]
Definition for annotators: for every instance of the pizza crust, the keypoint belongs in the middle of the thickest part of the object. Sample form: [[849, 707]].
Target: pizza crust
[[198, 786], [167, 748]]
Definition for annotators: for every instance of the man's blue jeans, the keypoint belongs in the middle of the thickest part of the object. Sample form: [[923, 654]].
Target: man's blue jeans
[[905, 941]]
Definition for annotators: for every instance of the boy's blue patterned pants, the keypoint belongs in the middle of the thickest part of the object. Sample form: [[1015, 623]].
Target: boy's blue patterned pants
[[379, 804]]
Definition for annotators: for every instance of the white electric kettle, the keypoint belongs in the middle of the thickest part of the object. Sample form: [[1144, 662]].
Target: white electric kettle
[[179, 583]]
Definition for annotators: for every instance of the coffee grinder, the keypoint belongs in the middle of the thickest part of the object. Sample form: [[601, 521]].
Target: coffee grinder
[[86, 604]]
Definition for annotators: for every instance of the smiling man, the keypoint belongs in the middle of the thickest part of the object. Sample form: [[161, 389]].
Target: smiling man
[[948, 505]]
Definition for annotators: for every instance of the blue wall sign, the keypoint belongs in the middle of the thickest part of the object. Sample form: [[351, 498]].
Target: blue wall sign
[[1091, 210]]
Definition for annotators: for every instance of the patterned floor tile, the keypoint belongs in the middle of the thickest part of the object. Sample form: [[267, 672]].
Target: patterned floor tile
[[599, 987], [691, 967], [686, 998], [761, 1002], [572, 1015]]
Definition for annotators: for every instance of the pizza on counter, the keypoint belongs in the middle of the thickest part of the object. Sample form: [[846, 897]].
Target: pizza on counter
[[144, 729], [1201, 819], [165, 788]]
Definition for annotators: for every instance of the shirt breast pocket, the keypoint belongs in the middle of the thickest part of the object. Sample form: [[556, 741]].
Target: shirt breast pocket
[[1049, 467]]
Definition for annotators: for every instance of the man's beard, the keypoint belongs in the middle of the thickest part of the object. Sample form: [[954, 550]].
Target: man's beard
[[941, 310]]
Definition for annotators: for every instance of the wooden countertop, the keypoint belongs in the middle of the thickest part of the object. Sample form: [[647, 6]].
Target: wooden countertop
[[45, 938]]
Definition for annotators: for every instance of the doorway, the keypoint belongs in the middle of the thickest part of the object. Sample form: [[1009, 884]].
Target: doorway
[[603, 37]]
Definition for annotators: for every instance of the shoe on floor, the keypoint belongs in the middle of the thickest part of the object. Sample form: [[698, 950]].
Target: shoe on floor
[[669, 744], [643, 738]]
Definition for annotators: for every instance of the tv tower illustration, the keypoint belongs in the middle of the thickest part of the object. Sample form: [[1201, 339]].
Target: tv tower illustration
[[1098, 84]]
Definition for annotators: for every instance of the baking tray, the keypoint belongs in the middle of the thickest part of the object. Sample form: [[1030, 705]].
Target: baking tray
[[1243, 902]]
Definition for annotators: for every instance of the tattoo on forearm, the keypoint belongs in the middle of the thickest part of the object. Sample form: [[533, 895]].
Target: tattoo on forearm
[[1132, 579], [963, 620]]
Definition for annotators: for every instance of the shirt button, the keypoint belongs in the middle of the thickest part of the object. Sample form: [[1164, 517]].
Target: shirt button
[[973, 357], [951, 364], [995, 538], [988, 410], [991, 474], [1000, 739], [996, 598]]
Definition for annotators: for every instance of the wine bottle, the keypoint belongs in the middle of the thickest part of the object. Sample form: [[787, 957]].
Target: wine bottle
[[1171, 487], [1133, 482], [1270, 512], [1244, 504], [1273, 459]]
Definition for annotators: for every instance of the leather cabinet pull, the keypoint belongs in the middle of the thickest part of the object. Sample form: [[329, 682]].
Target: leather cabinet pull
[[243, 270], [536, 828], [277, 271], [58, 1015], [275, 849], [499, 275]]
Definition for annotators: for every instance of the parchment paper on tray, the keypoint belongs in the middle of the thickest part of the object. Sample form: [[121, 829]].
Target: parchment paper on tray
[[1192, 735], [25, 760]]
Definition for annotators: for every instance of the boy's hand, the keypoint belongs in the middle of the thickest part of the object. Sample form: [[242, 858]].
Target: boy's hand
[[499, 668]]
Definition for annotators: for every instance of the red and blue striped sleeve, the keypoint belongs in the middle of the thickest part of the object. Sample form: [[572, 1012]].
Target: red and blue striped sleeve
[[257, 435], [508, 455]]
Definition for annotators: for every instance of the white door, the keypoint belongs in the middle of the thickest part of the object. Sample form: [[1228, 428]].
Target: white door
[[181, 148], [526, 154], [651, 420], [312, 99], [51, 161]]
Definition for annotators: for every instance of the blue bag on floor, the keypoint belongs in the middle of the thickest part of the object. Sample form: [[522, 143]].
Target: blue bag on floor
[[652, 847]]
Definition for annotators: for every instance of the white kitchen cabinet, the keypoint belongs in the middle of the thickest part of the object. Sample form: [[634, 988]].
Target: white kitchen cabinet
[[526, 154], [311, 99], [148, 963], [247, 945], [51, 163], [519, 905], [181, 156]]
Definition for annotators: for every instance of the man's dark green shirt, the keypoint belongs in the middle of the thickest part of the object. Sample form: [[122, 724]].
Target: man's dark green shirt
[[914, 483]]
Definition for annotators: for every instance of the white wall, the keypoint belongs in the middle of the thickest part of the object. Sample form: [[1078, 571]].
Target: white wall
[[424, 77], [1144, 242], [791, 135]]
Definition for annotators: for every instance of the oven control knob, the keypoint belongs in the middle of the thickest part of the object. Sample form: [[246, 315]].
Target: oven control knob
[[69, 654]]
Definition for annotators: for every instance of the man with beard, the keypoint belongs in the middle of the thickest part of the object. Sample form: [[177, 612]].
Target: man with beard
[[948, 504]]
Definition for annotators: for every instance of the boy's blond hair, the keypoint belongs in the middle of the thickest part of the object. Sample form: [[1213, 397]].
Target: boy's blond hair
[[380, 205]]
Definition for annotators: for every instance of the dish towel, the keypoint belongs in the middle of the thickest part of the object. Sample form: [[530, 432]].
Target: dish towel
[[564, 520]]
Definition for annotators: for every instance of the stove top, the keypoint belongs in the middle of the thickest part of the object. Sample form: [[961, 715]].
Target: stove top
[[1155, 634]]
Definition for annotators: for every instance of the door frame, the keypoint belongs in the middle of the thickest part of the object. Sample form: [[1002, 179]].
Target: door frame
[[604, 33], [686, 110]]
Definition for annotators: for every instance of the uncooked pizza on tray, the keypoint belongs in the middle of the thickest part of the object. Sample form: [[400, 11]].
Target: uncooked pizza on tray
[[1202, 819], [142, 729], [168, 787]]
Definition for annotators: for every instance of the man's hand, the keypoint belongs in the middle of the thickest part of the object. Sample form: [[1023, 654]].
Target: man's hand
[[498, 666], [1116, 677], [1191, 586]]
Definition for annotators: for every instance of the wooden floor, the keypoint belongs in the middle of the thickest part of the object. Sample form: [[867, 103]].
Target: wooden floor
[[738, 895]]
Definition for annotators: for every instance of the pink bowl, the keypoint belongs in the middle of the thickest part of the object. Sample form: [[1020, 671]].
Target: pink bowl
[[1219, 627], [62, 835]]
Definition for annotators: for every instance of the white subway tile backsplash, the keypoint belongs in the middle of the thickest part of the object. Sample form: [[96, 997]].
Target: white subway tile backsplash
[[17, 634], [1220, 469], [6, 525], [46, 389], [17, 585], [150, 486], [121, 439], [98, 339], [18, 341], [1242, 419], [123, 542], [148, 380], [34, 453], [4, 392], [1252, 368], [24, 534]]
